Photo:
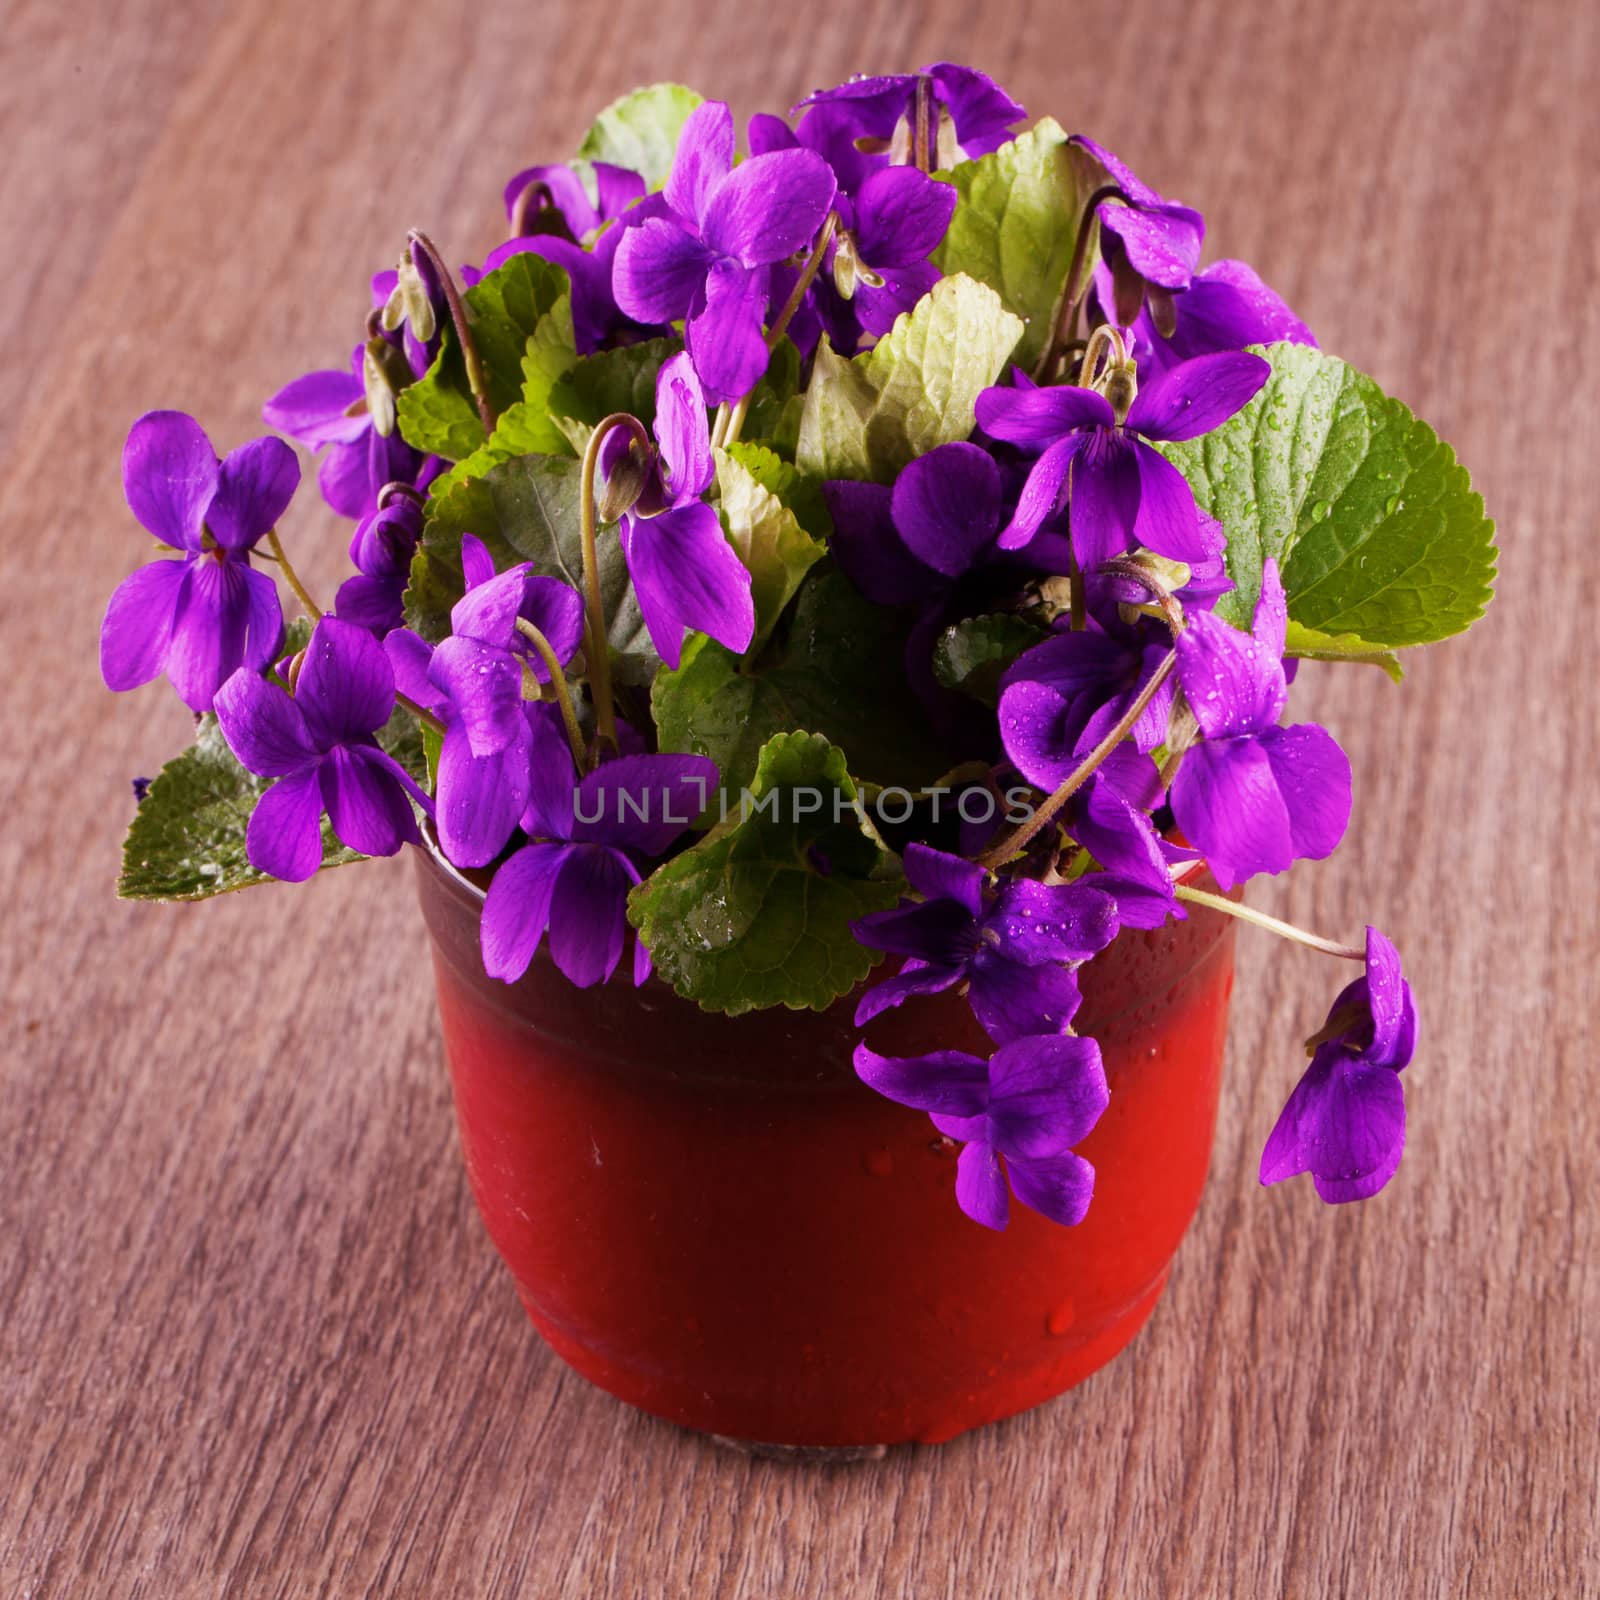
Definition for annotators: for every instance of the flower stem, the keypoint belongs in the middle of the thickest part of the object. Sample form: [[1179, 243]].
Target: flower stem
[[421, 713], [596, 648], [458, 317], [1285, 930], [1014, 843], [314, 614], [312, 610], [1072, 291], [730, 420], [1171, 608], [922, 126], [558, 681], [396, 490]]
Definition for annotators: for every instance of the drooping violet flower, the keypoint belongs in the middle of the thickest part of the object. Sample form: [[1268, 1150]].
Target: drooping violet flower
[[589, 838], [1016, 944], [1345, 1123], [684, 571], [1224, 307], [1019, 1114], [480, 666], [586, 248], [198, 618], [381, 549], [1150, 240], [1253, 797], [329, 407], [320, 745], [707, 259], [560, 204], [1121, 491], [974, 114]]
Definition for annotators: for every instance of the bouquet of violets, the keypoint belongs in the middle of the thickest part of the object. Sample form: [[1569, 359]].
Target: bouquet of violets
[[889, 543]]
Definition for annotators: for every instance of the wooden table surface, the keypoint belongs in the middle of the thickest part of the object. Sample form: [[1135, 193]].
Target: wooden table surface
[[254, 1339]]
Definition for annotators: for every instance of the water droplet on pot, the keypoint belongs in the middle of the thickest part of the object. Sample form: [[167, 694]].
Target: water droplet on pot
[[1060, 1320]]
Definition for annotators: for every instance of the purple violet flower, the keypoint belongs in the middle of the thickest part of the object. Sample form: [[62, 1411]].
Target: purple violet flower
[[588, 837], [320, 745], [329, 407], [1059, 699], [561, 204], [1121, 491], [588, 256], [482, 781], [480, 666], [684, 571], [478, 799], [708, 259], [833, 131], [939, 521], [1015, 945], [975, 115], [1151, 240], [381, 549], [1019, 1114], [1345, 1123], [878, 264], [1253, 797], [199, 618], [1225, 307]]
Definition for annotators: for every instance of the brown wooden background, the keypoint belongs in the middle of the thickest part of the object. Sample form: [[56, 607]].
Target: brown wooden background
[[254, 1340]]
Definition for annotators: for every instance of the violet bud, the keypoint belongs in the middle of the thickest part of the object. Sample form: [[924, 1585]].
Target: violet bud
[[384, 373], [625, 465]]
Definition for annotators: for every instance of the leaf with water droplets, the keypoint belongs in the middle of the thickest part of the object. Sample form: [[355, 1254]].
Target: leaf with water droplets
[[187, 838], [1374, 524], [759, 912]]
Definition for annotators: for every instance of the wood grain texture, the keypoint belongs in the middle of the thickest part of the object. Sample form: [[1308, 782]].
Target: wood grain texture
[[254, 1341]]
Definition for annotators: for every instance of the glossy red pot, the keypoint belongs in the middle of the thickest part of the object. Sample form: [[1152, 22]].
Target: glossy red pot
[[716, 1221]]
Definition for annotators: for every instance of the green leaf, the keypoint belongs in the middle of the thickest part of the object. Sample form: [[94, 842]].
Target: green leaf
[[839, 668], [528, 427], [776, 551], [526, 509], [453, 508], [760, 914], [776, 403], [915, 389], [1375, 526], [1016, 223], [608, 381], [802, 494], [640, 131], [971, 655], [187, 838], [432, 747], [536, 503], [437, 412], [1309, 645]]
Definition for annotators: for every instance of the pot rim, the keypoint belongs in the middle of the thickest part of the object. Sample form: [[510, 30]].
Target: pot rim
[[475, 894]]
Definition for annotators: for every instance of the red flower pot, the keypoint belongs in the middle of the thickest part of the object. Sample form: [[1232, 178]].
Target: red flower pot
[[712, 1218]]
